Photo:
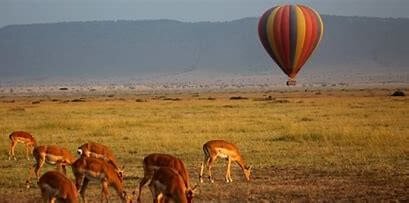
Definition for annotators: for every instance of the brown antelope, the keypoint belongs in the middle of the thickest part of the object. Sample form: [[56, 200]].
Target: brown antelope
[[56, 186], [167, 185], [52, 155], [21, 137], [91, 168], [92, 149], [220, 148], [156, 160]]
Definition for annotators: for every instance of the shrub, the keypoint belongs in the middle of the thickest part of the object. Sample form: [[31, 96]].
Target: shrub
[[398, 93], [237, 98]]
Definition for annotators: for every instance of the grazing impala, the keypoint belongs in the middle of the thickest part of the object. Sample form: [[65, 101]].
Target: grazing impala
[[156, 160], [90, 168], [56, 186], [21, 137], [167, 185], [220, 148], [52, 155], [92, 149]]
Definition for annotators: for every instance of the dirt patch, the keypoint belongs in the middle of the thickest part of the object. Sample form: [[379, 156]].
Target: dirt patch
[[296, 184], [271, 184]]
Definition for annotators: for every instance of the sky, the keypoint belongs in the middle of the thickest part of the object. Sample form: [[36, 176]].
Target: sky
[[45, 11]]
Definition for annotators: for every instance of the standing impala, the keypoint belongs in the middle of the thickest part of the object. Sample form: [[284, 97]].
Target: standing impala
[[21, 137], [56, 186], [167, 185], [52, 155], [156, 160], [90, 168], [92, 149], [220, 148]]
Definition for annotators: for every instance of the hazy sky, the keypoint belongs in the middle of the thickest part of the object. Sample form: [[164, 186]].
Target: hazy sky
[[40, 11]]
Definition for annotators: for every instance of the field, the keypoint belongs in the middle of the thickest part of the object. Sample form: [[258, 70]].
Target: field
[[322, 145]]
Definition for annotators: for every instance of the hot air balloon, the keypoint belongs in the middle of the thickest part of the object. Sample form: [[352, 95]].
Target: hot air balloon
[[289, 34]]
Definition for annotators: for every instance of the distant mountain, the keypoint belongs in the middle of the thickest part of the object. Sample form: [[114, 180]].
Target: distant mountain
[[121, 48]]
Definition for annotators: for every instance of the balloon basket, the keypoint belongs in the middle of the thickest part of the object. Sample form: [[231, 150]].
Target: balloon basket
[[291, 83]]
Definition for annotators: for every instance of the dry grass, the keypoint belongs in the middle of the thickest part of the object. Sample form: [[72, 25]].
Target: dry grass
[[339, 145]]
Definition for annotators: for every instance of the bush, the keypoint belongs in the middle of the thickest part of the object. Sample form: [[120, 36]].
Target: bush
[[398, 93], [237, 98], [78, 100]]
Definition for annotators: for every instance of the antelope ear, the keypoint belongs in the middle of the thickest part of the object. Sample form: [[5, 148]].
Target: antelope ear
[[121, 174]]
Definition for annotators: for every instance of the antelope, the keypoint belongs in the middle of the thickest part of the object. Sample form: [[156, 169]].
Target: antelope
[[56, 186], [156, 160], [21, 137], [91, 168], [167, 185], [92, 149], [52, 155], [223, 149]]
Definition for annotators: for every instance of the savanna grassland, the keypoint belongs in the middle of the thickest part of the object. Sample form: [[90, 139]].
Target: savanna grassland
[[316, 146]]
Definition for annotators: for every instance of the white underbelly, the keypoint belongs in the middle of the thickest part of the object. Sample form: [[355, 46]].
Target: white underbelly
[[52, 159], [222, 155], [94, 175], [159, 186]]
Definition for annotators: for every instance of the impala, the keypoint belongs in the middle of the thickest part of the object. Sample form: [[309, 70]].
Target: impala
[[52, 155], [220, 148], [92, 149], [90, 168], [167, 185], [21, 137], [156, 160], [56, 186]]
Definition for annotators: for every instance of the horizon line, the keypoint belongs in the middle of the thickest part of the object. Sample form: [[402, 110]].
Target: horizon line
[[182, 21]]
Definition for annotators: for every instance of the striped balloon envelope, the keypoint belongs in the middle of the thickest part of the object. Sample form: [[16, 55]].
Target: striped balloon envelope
[[289, 34]]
